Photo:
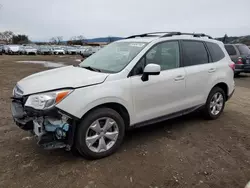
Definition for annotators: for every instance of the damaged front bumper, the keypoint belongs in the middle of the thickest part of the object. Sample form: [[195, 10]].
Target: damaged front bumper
[[52, 128]]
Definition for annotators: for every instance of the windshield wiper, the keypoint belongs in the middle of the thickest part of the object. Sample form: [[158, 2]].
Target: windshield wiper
[[91, 68]]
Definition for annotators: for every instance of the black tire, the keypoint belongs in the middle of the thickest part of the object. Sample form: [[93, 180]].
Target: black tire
[[85, 124], [207, 111]]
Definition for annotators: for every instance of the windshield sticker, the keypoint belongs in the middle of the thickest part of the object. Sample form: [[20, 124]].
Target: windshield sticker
[[139, 45]]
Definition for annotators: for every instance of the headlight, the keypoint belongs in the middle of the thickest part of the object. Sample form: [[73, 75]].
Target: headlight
[[46, 100]]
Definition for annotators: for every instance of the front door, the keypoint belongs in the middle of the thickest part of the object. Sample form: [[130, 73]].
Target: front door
[[162, 94]]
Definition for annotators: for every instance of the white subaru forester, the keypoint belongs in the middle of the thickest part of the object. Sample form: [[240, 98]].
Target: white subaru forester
[[137, 81]]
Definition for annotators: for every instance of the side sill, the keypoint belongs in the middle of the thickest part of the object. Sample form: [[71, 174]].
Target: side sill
[[166, 117]]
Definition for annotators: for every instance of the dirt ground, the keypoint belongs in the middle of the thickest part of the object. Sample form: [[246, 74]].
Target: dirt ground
[[184, 152]]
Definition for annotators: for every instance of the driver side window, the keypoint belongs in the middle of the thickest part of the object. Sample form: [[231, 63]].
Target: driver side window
[[165, 54]]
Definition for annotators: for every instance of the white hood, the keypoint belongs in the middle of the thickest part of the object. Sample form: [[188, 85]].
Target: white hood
[[65, 77], [14, 48]]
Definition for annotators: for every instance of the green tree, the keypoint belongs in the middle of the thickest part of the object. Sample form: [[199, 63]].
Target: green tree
[[20, 39]]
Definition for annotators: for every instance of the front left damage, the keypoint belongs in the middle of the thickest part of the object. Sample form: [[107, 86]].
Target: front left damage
[[52, 128]]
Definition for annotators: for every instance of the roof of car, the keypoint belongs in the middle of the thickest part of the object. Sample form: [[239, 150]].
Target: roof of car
[[174, 37], [139, 39]]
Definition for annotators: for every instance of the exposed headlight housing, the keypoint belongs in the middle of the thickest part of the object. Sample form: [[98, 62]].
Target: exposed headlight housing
[[45, 101]]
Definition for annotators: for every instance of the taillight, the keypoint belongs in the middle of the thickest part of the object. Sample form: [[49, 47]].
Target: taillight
[[232, 65], [240, 61]]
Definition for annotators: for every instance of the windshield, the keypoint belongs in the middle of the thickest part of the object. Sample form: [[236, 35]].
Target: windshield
[[244, 50], [114, 57]]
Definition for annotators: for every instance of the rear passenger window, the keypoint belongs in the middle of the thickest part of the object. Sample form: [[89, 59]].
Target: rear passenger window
[[230, 50], [194, 53], [215, 51]]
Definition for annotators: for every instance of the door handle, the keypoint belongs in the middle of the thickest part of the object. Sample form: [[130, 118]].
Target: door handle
[[212, 70], [180, 77]]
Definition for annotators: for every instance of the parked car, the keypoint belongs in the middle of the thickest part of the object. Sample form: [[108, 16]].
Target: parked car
[[12, 49], [80, 49], [21, 50], [58, 50], [44, 50], [5, 49], [89, 107], [240, 55], [88, 51], [71, 50], [1, 49], [29, 50]]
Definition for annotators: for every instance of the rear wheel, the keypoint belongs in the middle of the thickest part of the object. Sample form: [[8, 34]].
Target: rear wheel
[[215, 103], [100, 133]]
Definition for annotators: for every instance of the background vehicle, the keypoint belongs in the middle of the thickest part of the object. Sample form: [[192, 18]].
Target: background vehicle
[[133, 82], [29, 50], [1, 49], [88, 51], [80, 49], [58, 50], [12, 49], [71, 50], [240, 55], [44, 50]]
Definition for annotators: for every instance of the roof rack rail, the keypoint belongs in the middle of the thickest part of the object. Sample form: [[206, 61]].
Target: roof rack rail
[[147, 34], [169, 34], [192, 34]]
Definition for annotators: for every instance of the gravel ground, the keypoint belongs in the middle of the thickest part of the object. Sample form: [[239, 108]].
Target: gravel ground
[[184, 152]]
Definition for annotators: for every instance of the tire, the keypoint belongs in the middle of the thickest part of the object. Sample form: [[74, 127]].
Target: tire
[[84, 129], [207, 112]]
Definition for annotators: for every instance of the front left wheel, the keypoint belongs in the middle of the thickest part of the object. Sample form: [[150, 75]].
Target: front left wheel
[[100, 133]]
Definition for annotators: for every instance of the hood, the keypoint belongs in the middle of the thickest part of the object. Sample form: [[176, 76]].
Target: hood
[[14, 48], [58, 78]]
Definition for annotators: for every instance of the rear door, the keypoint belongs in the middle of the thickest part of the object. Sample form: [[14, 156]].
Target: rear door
[[196, 61]]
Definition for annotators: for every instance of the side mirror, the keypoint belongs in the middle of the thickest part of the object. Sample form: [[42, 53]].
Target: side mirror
[[150, 69]]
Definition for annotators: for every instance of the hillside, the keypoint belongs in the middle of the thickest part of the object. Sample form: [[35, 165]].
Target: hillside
[[241, 39]]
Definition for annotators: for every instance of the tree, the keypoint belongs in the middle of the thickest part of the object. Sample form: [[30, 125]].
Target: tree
[[56, 40], [20, 39], [6, 36], [53, 40], [224, 40], [76, 40], [59, 39]]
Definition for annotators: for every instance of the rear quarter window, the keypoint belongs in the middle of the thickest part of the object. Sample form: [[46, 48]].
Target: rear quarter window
[[215, 51], [230, 50]]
